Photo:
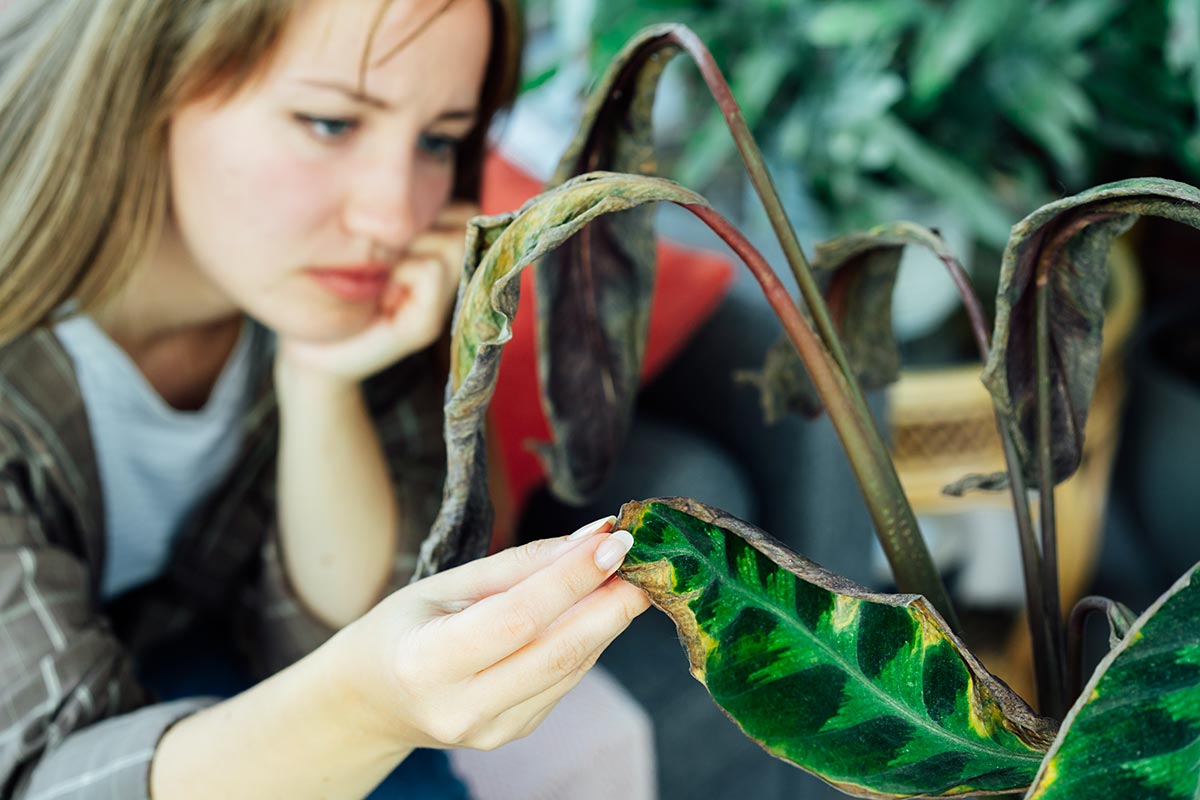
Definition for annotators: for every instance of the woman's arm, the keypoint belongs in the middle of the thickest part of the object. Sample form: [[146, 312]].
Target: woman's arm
[[472, 657], [337, 511], [300, 733]]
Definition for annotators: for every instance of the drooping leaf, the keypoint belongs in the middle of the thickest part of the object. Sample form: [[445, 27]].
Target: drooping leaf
[[870, 692], [1070, 239], [1135, 730], [497, 249], [857, 274], [593, 293]]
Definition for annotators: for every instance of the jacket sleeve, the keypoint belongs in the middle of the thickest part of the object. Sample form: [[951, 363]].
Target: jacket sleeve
[[74, 723], [275, 628]]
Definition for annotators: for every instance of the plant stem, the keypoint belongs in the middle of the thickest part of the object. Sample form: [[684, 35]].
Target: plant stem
[[1053, 703], [1120, 620], [1040, 634], [895, 522], [906, 550], [1075, 630], [764, 187]]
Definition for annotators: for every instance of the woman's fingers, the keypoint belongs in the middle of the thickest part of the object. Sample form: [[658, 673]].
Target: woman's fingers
[[499, 625], [475, 580], [446, 238], [567, 648], [523, 718], [456, 215]]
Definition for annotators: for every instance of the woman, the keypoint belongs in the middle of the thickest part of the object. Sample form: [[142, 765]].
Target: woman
[[172, 169]]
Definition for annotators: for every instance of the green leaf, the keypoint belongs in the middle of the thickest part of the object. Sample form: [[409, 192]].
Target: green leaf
[[1068, 24], [857, 274], [870, 692], [1183, 40], [855, 22], [1071, 238], [1051, 108], [1135, 730], [593, 293], [950, 181], [949, 41], [497, 249]]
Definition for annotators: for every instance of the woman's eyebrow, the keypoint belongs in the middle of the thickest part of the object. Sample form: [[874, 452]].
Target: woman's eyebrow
[[349, 91], [453, 115]]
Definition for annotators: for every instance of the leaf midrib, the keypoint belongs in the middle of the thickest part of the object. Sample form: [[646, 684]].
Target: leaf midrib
[[905, 711]]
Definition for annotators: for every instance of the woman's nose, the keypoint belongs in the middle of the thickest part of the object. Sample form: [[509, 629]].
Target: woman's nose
[[381, 207]]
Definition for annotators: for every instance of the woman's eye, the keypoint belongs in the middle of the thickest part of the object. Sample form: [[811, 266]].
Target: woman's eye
[[443, 148], [327, 128]]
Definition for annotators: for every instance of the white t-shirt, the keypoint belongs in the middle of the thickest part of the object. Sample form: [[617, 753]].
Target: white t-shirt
[[155, 462]]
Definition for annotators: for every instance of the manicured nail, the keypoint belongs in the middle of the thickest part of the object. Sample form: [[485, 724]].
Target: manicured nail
[[613, 549], [590, 528]]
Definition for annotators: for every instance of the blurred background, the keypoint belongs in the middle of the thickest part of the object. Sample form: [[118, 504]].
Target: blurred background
[[964, 116]]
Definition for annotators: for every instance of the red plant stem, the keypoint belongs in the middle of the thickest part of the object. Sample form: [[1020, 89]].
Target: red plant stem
[[760, 178], [889, 507], [910, 559]]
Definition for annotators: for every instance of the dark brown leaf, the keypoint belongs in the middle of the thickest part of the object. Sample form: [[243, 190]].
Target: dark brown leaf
[[1070, 239], [593, 293]]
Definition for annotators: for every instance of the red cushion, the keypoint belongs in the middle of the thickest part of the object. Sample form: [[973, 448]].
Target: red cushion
[[688, 287]]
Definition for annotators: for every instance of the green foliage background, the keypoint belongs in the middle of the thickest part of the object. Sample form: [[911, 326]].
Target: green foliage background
[[986, 109]]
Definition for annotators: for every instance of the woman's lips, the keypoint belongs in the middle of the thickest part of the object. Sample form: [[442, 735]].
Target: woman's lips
[[357, 285]]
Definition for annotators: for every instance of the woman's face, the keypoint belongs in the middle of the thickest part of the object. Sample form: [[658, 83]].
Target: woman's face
[[301, 175]]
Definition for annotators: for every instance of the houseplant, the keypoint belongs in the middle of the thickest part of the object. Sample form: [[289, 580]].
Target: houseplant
[[876, 694]]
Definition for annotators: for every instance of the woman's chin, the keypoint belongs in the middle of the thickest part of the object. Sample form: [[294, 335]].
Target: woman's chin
[[322, 326]]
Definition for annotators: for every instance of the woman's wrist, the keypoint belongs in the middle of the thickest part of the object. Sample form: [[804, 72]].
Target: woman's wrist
[[295, 379], [312, 730], [354, 678]]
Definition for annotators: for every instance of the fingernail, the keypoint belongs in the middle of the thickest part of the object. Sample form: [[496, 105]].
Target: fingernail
[[590, 528], [613, 549]]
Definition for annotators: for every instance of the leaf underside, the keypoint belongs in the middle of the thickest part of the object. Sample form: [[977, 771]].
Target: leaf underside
[[1135, 731], [857, 275], [870, 692], [593, 293], [498, 248]]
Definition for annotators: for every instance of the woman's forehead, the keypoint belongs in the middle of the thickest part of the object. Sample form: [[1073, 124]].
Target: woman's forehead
[[334, 36], [343, 29]]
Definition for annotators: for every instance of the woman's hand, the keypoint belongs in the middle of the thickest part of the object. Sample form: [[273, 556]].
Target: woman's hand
[[478, 655], [412, 312]]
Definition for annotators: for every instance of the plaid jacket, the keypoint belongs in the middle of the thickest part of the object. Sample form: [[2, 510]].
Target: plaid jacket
[[74, 722]]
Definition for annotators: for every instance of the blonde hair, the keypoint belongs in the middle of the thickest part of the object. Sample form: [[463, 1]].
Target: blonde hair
[[86, 90]]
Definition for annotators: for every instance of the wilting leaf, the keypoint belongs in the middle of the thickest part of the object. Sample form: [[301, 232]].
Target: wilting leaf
[[1071, 238], [497, 249], [871, 692], [593, 293], [1135, 730], [857, 274], [993, 482]]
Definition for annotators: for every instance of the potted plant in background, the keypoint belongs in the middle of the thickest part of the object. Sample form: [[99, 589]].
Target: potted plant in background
[[879, 695]]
